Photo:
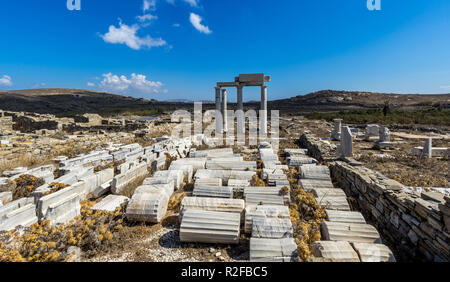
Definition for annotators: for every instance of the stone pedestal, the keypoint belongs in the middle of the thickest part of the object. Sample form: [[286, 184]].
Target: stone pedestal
[[428, 148], [371, 130], [346, 147], [385, 139], [336, 132]]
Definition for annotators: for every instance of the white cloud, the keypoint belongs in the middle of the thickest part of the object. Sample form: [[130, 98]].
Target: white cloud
[[125, 34], [137, 83], [149, 5], [193, 3], [39, 85], [196, 22], [90, 84], [146, 18], [176, 25], [6, 80], [445, 87]]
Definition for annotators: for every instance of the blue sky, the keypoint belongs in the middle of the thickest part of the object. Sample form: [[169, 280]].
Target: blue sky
[[179, 49]]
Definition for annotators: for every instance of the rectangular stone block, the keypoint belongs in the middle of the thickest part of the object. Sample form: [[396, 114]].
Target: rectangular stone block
[[155, 188], [308, 184], [213, 204], [64, 210], [213, 191], [336, 251], [225, 175], [21, 216], [262, 212], [210, 227], [230, 165], [102, 189], [176, 175], [267, 195], [319, 172], [197, 163], [121, 181], [369, 252], [188, 170], [56, 201], [273, 250], [110, 203], [211, 182], [299, 161], [223, 152], [272, 228], [345, 216], [334, 202], [351, 232]]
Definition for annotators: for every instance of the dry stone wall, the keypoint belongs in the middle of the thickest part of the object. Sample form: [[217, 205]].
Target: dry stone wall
[[413, 224], [416, 226], [318, 149]]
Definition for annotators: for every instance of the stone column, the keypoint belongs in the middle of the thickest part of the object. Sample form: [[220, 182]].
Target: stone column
[[346, 147], [240, 111], [224, 110], [336, 132], [428, 148], [219, 119], [263, 111]]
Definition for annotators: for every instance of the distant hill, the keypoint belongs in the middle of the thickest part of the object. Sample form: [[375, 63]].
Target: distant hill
[[73, 101], [333, 100]]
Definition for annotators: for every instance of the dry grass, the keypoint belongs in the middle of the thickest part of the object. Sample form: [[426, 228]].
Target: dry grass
[[306, 216], [92, 231], [128, 191]]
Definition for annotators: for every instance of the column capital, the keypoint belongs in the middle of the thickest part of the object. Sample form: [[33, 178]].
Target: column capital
[[217, 87], [224, 91], [264, 86]]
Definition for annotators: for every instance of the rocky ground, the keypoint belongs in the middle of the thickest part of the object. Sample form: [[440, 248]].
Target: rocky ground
[[160, 242], [397, 163]]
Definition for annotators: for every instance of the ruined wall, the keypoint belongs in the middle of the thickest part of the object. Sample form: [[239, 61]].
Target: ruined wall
[[28, 124], [316, 148], [415, 225]]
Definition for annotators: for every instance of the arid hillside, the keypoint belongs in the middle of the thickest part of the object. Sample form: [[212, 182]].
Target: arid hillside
[[74, 101], [332, 100]]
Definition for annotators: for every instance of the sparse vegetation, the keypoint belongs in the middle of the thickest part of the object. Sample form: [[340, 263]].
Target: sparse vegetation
[[306, 216], [431, 116], [24, 185], [132, 112], [91, 231]]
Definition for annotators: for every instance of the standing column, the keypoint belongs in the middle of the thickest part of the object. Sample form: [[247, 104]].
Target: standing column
[[240, 111], [428, 148], [219, 119], [224, 110], [263, 111]]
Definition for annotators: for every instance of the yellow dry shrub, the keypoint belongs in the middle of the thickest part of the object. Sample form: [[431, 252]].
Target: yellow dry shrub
[[45, 243], [175, 201], [257, 182]]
